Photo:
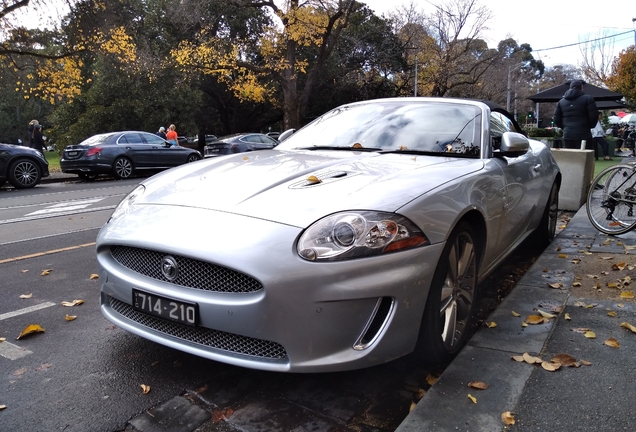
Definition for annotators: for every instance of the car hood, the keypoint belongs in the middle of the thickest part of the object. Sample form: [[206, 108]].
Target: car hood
[[299, 187]]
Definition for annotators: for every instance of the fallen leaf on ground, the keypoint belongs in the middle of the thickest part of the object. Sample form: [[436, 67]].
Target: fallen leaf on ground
[[535, 319], [219, 415], [492, 324], [576, 260], [70, 317], [611, 314], [46, 272], [579, 304], [430, 379], [586, 363], [23, 271], [627, 295], [590, 335], [2, 407], [550, 367], [629, 326], [555, 285], [567, 316], [145, 389], [591, 305], [515, 314], [26, 296], [530, 359], [73, 303], [613, 285], [524, 324], [31, 328], [518, 358], [472, 398], [545, 314], [94, 276], [2, 339], [508, 418], [613, 343], [619, 266], [479, 385], [564, 360], [581, 330], [562, 256], [607, 258], [412, 407]]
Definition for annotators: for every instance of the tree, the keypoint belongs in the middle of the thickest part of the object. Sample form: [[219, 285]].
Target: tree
[[289, 54], [623, 76]]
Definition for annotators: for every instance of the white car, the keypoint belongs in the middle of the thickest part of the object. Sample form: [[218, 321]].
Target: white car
[[359, 239]]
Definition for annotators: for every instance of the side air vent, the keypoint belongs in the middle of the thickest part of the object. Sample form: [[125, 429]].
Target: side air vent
[[377, 322], [323, 179]]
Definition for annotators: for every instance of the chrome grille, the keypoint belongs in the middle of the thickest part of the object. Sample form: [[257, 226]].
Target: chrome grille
[[207, 337], [192, 273]]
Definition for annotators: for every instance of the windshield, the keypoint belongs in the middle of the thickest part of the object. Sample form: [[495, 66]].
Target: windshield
[[395, 125]]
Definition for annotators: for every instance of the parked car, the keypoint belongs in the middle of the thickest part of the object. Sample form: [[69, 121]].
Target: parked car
[[121, 154], [239, 143], [274, 135], [23, 167], [208, 139], [359, 239]]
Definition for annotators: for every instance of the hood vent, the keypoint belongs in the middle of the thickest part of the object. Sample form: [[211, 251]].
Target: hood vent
[[323, 179]]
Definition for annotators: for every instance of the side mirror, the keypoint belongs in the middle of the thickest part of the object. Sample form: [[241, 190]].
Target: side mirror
[[285, 134], [513, 144]]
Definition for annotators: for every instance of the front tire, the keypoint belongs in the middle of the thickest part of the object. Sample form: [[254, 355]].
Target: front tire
[[122, 168], [24, 174], [547, 228], [449, 314]]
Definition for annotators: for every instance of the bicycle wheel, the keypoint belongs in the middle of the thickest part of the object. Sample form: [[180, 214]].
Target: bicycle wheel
[[611, 201]]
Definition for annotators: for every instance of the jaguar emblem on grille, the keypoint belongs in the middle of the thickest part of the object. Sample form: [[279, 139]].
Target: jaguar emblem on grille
[[169, 268]]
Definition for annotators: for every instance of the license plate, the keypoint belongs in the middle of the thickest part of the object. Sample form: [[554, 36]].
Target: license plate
[[72, 153], [174, 310]]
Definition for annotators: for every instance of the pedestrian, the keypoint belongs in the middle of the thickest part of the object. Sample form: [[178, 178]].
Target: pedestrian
[[599, 138], [29, 139], [577, 114], [37, 140], [162, 133], [171, 136]]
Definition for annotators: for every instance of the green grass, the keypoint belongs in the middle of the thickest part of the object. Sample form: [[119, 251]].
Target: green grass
[[54, 161]]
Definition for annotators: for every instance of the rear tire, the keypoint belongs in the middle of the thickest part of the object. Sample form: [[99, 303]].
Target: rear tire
[[449, 315], [24, 174], [122, 168], [193, 158]]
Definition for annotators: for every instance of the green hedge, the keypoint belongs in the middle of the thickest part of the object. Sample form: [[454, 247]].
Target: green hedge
[[544, 133]]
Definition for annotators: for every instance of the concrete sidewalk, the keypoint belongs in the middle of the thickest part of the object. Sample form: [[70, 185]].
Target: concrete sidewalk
[[573, 280]]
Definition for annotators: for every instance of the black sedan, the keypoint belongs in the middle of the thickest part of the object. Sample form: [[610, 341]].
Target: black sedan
[[121, 154], [22, 166], [239, 143]]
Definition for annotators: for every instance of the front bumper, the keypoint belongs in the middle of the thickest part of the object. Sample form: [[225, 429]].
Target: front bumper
[[307, 317]]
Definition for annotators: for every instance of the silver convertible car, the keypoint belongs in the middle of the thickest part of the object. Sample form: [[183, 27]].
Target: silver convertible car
[[359, 239]]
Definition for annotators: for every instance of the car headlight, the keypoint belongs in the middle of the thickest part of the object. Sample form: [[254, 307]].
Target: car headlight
[[358, 234], [125, 204]]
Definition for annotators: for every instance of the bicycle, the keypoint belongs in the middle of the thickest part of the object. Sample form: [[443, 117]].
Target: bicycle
[[611, 200]]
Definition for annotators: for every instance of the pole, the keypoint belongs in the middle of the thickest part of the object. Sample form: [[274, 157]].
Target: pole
[[508, 99], [415, 85]]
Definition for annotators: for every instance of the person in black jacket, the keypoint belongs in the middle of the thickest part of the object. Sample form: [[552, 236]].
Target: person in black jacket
[[37, 140], [577, 114]]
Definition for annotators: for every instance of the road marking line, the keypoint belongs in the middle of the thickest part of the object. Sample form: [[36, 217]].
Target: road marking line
[[56, 214], [13, 352], [26, 310], [39, 254], [66, 206]]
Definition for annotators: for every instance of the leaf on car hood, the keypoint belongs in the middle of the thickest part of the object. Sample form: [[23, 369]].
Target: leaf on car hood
[[31, 328], [312, 179]]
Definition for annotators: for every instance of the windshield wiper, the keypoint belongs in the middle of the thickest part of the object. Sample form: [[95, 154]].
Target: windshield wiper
[[351, 148]]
